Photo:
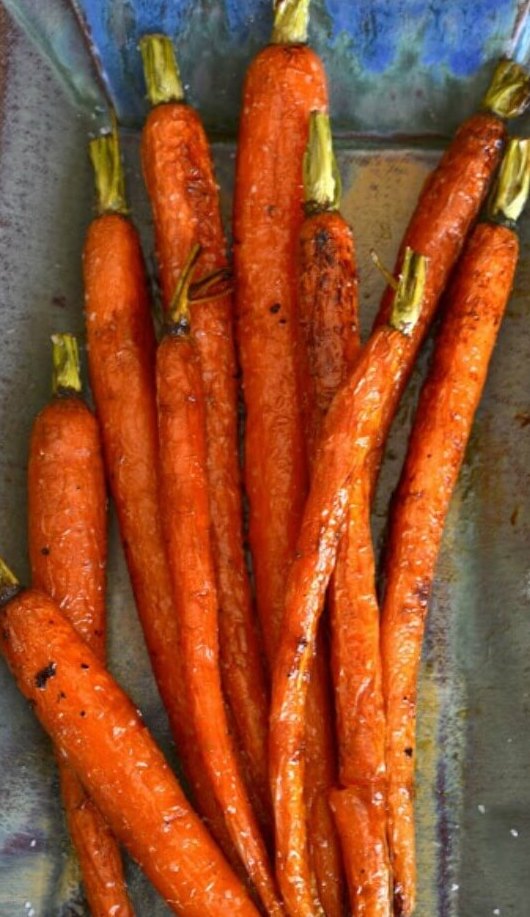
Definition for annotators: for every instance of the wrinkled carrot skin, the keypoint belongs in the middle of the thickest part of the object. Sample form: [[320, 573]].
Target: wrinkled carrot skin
[[444, 417], [121, 351], [181, 184], [99, 732], [68, 553], [351, 433], [185, 510]]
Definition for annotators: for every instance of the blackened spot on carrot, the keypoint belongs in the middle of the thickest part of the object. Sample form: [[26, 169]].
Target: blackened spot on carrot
[[271, 209], [409, 752], [85, 665], [282, 321], [61, 695], [45, 551], [275, 308], [321, 239], [47, 672], [82, 713]]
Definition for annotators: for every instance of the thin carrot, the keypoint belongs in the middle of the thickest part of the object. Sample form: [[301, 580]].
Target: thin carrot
[[98, 730], [185, 510], [448, 402], [184, 195], [121, 351], [285, 82], [351, 433], [68, 554]]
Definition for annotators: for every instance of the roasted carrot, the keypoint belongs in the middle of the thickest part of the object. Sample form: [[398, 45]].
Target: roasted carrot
[[475, 306], [121, 351], [185, 511], [99, 731], [68, 554], [285, 82], [181, 184], [350, 435]]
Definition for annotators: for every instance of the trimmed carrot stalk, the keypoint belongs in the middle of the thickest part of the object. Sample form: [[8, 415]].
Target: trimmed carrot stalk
[[68, 555], [99, 732], [121, 352], [184, 196], [475, 306], [185, 510], [351, 432]]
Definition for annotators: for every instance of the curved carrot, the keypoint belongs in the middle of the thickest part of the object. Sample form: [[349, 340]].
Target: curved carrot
[[184, 195], [68, 555], [350, 435], [475, 306], [99, 731], [121, 352], [185, 510]]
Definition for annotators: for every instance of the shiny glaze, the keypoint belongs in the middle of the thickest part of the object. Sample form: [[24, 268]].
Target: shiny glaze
[[98, 730], [444, 417], [121, 351], [67, 541], [185, 510], [184, 196]]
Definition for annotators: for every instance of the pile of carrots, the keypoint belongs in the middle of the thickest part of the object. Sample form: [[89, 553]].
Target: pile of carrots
[[291, 689]]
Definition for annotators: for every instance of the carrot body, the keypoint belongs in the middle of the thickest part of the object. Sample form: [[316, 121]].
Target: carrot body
[[68, 555], [186, 521], [447, 405], [122, 372], [100, 733], [181, 184]]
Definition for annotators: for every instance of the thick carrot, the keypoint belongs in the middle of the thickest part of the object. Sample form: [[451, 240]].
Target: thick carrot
[[99, 731], [184, 195], [121, 351], [351, 433], [475, 306], [185, 511], [285, 82], [68, 554]]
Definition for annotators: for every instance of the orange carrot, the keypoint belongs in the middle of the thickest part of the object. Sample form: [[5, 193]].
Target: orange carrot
[[98, 730], [181, 184], [475, 306], [68, 555], [121, 351]]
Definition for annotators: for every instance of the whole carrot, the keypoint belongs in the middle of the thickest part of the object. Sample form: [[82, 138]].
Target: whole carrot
[[121, 352], [185, 509], [351, 433], [284, 83], [184, 196], [68, 555], [99, 731], [475, 306]]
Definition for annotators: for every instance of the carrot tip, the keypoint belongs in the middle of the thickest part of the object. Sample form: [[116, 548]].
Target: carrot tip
[[291, 19], [508, 95], [66, 369], [105, 156], [322, 184], [510, 193], [161, 71], [409, 292]]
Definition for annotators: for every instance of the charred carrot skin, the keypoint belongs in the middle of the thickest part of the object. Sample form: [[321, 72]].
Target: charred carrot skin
[[68, 553], [181, 183], [121, 351], [448, 402], [100, 733]]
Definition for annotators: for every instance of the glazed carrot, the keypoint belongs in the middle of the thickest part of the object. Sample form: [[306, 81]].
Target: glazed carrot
[[121, 351], [448, 402], [99, 731], [185, 511], [68, 555], [350, 435], [181, 184]]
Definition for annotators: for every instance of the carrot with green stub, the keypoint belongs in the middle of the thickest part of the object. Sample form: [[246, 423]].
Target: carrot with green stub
[[475, 305], [184, 196], [67, 541], [100, 733], [186, 519], [121, 360]]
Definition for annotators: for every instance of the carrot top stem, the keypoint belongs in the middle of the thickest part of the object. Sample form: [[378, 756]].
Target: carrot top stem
[[179, 307], [161, 71], [322, 184], [9, 584], [105, 156], [508, 95], [409, 292], [66, 370], [291, 19], [510, 192]]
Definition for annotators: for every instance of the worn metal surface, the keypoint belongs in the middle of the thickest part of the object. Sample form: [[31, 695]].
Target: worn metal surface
[[474, 743]]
